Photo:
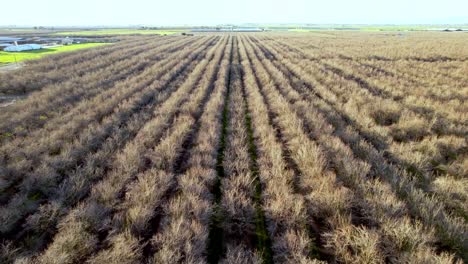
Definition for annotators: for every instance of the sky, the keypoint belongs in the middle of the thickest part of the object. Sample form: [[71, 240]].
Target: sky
[[213, 12]]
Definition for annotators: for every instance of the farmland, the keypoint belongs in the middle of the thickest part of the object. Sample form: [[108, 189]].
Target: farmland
[[104, 32], [341, 147], [8, 57]]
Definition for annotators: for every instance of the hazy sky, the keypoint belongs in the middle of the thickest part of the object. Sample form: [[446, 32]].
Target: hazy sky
[[210, 12]]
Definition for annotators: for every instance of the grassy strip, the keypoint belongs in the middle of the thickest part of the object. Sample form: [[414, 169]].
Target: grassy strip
[[263, 239], [215, 241], [9, 57], [105, 32]]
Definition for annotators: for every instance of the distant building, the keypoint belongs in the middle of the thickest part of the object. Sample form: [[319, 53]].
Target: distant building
[[229, 29], [24, 47], [67, 41], [8, 40], [247, 29]]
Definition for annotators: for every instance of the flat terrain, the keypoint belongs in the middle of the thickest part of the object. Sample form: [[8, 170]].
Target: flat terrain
[[105, 32], [385, 28], [8, 57], [339, 147], [23, 31]]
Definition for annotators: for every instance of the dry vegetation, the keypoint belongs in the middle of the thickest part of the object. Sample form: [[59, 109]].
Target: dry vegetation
[[239, 148]]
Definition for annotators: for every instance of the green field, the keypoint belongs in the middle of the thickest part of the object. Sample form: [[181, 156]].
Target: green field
[[8, 57], [104, 32]]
